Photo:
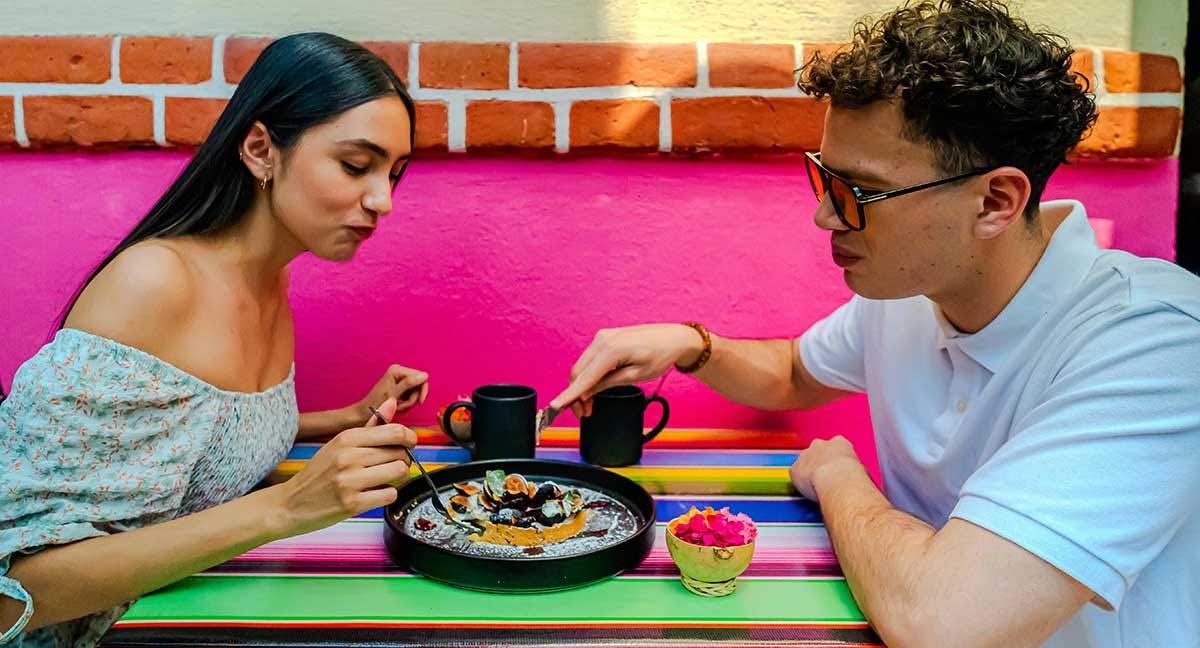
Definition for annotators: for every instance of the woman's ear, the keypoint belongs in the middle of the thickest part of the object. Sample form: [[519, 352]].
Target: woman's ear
[[257, 152]]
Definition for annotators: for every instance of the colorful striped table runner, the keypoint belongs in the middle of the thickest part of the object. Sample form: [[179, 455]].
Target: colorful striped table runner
[[338, 587], [664, 469]]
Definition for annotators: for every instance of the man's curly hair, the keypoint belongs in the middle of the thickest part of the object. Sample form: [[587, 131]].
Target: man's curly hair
[[976, 84]]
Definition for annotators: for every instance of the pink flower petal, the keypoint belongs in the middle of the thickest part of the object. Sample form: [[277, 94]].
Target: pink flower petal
[[714, 528]]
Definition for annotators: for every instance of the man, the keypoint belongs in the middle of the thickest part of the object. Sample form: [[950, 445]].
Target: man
[[1036, 401]]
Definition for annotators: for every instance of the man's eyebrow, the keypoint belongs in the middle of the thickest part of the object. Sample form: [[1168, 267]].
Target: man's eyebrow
[[863, 176]]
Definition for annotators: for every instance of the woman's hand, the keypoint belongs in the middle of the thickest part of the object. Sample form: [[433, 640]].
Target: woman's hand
[[354, 472], [410, 387]]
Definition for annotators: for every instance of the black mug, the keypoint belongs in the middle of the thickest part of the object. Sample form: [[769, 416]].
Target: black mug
[[502, 422], [613, 434]]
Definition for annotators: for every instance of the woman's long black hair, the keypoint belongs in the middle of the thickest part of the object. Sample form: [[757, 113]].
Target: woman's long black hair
[[298, 82]]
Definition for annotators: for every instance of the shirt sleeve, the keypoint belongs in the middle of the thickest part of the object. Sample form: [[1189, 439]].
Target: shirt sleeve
[[89, 444], [832, 349], [1100, 474]]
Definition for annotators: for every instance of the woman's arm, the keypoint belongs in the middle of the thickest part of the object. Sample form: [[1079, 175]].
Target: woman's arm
[[410, 387], [320, 424], [351, 474]]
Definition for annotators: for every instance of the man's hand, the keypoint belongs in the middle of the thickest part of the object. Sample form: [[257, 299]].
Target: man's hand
[[825, 459], [626, 356]]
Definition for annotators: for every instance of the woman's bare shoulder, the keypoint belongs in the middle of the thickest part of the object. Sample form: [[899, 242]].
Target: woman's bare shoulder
[[140, 299]]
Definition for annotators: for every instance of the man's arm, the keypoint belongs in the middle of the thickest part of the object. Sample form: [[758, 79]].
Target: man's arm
[[767, 374], [960, 586]]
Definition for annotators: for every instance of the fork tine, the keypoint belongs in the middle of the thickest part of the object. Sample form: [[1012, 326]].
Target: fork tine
[[435, 496], [436, 499]]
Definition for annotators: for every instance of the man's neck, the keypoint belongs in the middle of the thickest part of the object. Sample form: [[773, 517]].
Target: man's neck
[[1001, 268]]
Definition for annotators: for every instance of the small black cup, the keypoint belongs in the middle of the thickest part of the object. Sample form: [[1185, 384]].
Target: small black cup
[[502, 422], [613, 434]]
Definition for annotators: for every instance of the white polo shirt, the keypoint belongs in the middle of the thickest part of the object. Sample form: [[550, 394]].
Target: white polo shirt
[[1069, 425]]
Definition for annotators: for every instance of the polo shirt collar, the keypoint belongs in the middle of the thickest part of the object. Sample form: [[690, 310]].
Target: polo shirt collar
[[1064, 265]]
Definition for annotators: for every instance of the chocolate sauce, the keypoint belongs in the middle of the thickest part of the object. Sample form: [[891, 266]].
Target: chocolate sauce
[[610, 522]]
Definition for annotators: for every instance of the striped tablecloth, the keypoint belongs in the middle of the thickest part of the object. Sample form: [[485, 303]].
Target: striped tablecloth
[[338, 587]]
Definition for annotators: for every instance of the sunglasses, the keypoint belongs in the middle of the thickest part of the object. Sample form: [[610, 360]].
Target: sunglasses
[[849, 201]]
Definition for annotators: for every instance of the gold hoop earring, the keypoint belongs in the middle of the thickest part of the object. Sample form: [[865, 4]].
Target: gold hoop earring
[[262, 184]]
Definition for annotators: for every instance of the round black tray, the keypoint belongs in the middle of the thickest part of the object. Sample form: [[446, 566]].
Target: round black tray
[[523, 574]]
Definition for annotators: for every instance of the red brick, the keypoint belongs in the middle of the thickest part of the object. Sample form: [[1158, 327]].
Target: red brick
[[240, 54], [432, 126], [747, 124], [827, 50], [8, 124], [510, 124], [166, 60], [394, 54], [1137, 72], [745, 65], [576, 65], [189, 120], [1083, 62], [614, 124], [55, 59], [1133, 133], [479, 66], [87, 121]]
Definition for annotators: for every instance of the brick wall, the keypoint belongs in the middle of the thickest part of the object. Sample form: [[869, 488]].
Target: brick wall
[[513, 98]]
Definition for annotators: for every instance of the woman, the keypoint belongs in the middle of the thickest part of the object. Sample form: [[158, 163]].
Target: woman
[[130, 442]]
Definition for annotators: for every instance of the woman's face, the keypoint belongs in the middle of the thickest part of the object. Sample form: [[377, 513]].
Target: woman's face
[[337, 181]]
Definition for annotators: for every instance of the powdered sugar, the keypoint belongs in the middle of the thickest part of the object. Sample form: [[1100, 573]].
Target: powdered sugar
[[609, 522]]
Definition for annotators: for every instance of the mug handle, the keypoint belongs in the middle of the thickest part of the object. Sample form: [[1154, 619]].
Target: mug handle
[[447, 417], [666, 414]]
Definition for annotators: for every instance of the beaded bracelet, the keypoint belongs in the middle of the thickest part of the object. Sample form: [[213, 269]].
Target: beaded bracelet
[[704, 355]]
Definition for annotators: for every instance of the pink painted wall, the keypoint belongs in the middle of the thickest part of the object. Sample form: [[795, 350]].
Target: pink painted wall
[[501, 270]]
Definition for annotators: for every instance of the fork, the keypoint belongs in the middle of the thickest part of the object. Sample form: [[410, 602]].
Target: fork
[[435, 499], [546, 415]]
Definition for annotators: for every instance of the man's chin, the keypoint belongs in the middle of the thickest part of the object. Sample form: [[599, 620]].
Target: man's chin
[[864, 287]]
